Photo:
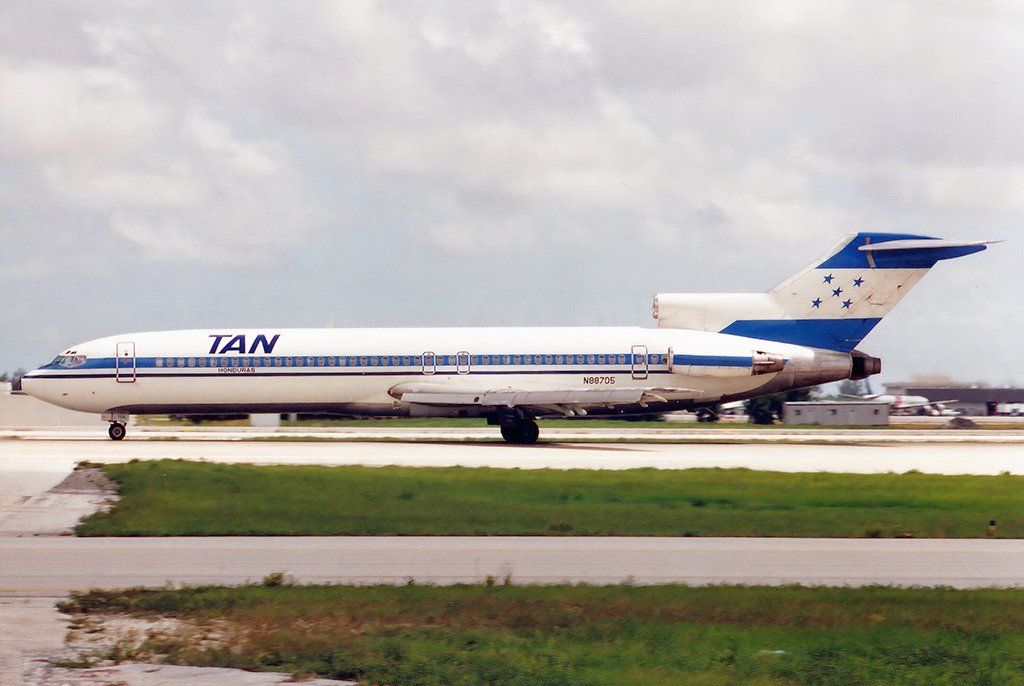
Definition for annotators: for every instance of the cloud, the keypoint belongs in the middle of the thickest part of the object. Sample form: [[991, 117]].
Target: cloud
[[600, 148], [175, 182]]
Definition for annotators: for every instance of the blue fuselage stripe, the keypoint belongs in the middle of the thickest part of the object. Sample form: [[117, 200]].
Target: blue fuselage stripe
[[388, 365]]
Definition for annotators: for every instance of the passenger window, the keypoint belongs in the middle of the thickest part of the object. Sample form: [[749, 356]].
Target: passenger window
[[590, 359], [224, 362], [362, 361], [417, 361], [516, 359], [558, 359], [159, 362], [580, 359], [622, 359], [600, 359], [474, 360], [288, 362], [321, 361], [549, 360], [405, 361]]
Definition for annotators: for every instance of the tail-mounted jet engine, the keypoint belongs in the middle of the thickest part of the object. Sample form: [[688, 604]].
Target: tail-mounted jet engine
[[761, 362], [863, 365]]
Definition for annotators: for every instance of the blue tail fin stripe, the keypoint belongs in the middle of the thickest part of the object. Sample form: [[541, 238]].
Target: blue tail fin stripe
[[830, 334]]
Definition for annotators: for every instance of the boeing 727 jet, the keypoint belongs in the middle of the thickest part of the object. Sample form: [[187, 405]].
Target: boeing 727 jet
[[707, 349]]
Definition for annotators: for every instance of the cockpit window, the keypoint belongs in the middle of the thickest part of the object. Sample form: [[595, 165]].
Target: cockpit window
[[69, 361]]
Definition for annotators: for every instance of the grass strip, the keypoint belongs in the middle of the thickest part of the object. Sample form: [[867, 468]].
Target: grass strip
[[181, 498], [524, 635]]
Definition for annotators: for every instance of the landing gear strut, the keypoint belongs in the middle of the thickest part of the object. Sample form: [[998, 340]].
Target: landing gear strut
[[521, 431], [116, 431]]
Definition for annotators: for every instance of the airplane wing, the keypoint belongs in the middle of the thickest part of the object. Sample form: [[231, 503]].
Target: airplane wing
[[568, 401]]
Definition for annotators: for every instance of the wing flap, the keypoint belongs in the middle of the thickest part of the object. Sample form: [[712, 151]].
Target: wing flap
[[551, 397], [513, 398]]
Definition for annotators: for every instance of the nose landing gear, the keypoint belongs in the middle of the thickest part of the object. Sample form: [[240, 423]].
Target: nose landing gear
[[116, 431], [118, 422]]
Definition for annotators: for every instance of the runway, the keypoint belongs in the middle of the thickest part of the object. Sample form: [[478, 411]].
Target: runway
[[55, 566]]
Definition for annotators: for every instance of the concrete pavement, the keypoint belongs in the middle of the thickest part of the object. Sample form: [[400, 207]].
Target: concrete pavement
[[55, 566], [53, 458]]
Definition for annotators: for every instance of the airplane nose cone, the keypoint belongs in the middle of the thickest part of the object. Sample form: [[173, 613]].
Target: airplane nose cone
[[30, 384]]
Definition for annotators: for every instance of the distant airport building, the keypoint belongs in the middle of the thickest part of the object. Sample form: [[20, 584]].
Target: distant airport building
[[839, 413], [973, 401]]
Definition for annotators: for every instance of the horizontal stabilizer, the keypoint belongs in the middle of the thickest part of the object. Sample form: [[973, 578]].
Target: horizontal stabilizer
[[923, 244]]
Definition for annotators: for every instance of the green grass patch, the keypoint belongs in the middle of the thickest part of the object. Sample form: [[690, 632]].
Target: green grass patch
[[528, 635], [180, 498]]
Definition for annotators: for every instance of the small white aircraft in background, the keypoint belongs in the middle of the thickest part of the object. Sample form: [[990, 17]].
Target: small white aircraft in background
[[708, 349], [912, 404]]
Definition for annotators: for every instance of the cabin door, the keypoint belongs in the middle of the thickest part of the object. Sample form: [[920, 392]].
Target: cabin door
[[124, 363]]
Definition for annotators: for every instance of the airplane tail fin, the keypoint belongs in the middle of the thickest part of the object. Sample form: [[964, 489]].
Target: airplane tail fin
[[833, 303]]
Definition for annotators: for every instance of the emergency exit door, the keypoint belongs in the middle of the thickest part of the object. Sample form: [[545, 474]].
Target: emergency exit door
[[638, 359]]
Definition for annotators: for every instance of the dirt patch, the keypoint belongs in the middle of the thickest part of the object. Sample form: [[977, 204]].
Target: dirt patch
[[86, 481], [104, 650]]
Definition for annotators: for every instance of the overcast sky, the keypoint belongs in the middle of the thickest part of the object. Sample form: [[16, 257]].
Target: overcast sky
[[172, 165]]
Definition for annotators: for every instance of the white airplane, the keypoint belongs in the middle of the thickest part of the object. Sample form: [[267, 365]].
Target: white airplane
[[708, 349], [912, 404]]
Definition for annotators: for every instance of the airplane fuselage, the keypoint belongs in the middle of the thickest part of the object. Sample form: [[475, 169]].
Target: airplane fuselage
[[366, 372]]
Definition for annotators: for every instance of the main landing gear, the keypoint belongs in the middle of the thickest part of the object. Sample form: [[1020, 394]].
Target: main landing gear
[[116, 431], [520, 431], [706, 414]]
